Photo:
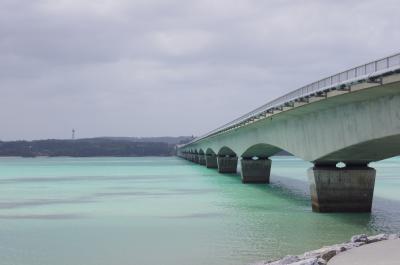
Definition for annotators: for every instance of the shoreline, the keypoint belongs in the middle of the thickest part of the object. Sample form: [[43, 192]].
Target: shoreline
[[323, 255]]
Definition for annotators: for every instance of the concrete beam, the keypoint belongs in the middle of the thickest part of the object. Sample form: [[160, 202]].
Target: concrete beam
[[335, 93], [255, 171], [348, 189], [227, 164], [300, 103], [211, 161]]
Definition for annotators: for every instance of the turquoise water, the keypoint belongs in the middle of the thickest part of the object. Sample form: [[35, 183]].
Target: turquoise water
[[115, 211]]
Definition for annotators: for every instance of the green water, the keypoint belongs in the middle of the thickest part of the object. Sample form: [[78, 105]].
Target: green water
[[120, 211]]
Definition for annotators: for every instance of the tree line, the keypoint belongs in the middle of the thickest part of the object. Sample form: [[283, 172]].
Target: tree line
[[88, 147]]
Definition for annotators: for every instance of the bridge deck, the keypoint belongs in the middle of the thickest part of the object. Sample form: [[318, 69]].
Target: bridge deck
[[340, 82]]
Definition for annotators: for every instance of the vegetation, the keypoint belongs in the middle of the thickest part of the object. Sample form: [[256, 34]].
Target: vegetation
[[105, 146]]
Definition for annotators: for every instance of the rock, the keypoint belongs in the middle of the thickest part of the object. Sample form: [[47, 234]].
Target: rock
[[321, 252], [377, 238], [323, 255], [347, 246], [289, 259], [311, 261], [313, 254], [327, 255], [359, 238], [358, 244], [284, 261]]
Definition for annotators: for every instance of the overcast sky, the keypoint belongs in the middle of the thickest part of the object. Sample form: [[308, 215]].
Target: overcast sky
[[177, 67]]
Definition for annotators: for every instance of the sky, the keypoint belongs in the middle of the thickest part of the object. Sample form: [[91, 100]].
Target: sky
[[172, 67]]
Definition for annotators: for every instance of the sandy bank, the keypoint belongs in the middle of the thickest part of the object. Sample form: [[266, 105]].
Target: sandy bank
[[383, 253], [382, 249]]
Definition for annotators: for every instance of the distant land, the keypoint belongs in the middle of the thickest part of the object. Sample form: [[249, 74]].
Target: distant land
[[92, 147], [163, 139]]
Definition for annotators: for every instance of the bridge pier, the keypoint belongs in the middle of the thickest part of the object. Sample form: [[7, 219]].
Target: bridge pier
[[255, 171], [202, 160], [227, 164], [196, 158], [348, 189], [193, 158], [211, 161]]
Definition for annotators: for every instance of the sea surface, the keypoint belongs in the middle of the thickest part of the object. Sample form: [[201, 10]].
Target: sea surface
[[152, 210]]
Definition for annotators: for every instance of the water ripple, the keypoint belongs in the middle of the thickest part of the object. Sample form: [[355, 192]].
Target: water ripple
[[43, 216]]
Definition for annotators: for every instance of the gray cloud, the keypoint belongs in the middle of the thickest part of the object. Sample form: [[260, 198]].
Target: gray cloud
[[136, 68]]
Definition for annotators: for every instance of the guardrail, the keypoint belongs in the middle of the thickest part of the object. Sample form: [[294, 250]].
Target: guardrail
[[357, 74]]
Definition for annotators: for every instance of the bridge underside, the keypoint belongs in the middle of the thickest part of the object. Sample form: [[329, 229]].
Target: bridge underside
[[355, 128], [363, 153]]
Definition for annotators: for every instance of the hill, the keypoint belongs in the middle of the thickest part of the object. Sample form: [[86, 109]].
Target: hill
[[103, 146]]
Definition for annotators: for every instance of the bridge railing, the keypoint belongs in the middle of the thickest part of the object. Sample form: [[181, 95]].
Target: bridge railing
[[334, 82]]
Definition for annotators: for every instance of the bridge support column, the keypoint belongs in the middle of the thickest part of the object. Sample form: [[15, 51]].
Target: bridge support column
[[255, 171], [202, 160], [211, 161], [227, 164], [196, 158], [348, 189]]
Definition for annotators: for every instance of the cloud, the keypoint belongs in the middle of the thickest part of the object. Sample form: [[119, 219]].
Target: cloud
[[181, 42], [151, 68]]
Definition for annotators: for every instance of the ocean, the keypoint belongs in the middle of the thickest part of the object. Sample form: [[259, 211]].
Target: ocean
[[166, 210]]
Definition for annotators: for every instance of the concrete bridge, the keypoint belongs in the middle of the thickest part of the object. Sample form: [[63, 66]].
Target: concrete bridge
[[352, 117]]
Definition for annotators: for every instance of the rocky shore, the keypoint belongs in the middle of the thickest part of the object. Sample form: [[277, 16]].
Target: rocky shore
[[323, 255]]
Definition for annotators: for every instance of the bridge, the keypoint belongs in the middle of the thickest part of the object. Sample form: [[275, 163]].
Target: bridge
[[352, 117]]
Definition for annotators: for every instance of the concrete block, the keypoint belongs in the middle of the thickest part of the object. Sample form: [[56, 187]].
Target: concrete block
[[227, 164], [341, 189], [202, 160], [255, 171], [211, 161]]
